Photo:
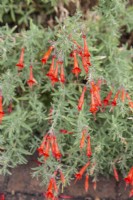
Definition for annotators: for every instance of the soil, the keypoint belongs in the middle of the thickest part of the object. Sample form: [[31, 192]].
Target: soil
[[21, 186]]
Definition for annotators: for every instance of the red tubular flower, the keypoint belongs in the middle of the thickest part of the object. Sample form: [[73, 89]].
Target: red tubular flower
[[88, 149], [81, 99], [82, 141], [107, 99], [55, 185], [64, 131], [86, 182], [86, 51], [31, 81], [54, 79], [20, 63], [1, 108], [62, 74], [50, 73], [55, 148], [129, 178], [47, 149], [76, 70], [62, 177], [114, 102], [49, 194], [57, 153], [86, 63], [123, 94], [128, 97], [95, 90], [93, 105], [41, 148], [116, 174], [81, 172], [47, 54]]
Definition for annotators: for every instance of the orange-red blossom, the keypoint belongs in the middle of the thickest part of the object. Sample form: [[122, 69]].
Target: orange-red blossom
[[81, 172]]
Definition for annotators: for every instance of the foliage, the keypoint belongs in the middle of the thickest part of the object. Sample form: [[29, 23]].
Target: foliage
[[23, 129]]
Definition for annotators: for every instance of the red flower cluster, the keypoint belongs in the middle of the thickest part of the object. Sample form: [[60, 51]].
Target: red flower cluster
[[95, 97], [52, 189], [96, 101], [49, 143], [31, 81], [88, 153], [85, 57], [53, 72]]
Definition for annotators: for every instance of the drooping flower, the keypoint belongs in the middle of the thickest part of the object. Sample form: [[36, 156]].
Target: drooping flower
[[81, 99], [88, 149], [76, 70], [41, 147], [86, 182], [62, 177], [114, 101], [64, 131], [55, 185], [50, 73], [82, 141], [116, 174], [81, 172], [93, 105], [1, 108], [86, 51], [20, 63], [107, 99], [46, 150], [55, 79], [95, 90], [47, 54], [49, 193], [129, 178], [86, 63], [31, 81], [55, 149], [123, 94]]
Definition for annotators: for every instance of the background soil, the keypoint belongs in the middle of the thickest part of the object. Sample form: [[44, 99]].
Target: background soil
[[21, 186]]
